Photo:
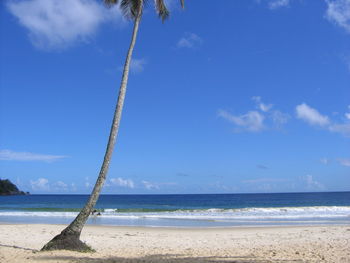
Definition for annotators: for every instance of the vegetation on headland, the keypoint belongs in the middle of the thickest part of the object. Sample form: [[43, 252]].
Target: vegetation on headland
[[8, 188]]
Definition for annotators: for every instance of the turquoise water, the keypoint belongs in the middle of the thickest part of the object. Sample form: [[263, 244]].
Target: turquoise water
[[184, 210]]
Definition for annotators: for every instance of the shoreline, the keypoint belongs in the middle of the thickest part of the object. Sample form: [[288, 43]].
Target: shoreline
[[190, 227], [21, 242], [257, 226]]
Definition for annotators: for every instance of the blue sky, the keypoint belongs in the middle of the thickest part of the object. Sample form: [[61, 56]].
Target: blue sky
[[245, 96]]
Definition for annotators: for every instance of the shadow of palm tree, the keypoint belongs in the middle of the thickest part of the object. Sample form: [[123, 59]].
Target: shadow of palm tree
[[24, 248], [167, 258]]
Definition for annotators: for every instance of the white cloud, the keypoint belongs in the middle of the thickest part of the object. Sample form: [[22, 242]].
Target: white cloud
[[344, 162], [325, 160], [262, 106], [265, 180], [347, 114], [312, 184], [254, 121], [311, 115], [150, 186], [338, 12], [87, 182], [9, 155], [59, 185], [287, 184], [57, 24], [251, 121], [343, 129], [41, 184], [190, 40], [73, 187], [267, 184], [137, 65], [275, 4], [279, 118], [122, 182]]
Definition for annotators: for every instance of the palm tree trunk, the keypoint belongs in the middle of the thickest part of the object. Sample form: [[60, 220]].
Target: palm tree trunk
[[69, 238]]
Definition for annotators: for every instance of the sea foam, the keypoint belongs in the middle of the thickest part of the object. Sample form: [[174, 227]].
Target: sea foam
[[255, 213]]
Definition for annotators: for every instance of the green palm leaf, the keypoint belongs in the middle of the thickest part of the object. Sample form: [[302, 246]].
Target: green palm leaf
[[130, 7]]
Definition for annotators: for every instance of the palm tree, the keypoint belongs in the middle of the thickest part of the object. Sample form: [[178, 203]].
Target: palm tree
[[69, 238]]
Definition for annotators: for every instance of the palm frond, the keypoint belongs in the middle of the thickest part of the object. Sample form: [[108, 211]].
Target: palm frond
[[182, 2], [110, 3], [162, 10], [130, 7]]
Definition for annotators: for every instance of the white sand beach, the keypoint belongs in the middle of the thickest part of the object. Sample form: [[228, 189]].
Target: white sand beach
[[20, 243]]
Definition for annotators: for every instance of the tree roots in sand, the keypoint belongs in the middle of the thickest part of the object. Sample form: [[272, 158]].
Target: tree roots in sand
[[67, 242]]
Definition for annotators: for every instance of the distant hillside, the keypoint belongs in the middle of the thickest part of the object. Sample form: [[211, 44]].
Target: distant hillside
[[8, 188]]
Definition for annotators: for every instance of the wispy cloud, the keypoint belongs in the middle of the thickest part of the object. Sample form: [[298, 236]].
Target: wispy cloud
[[87, 182], [266, 184], [261, 106], [42, 184], [254, 121], [344, 162], [57, 24], [73, 187], [338, 12], [314, 118], [266, 117], [307, 183], [60, 186], [150, 186], [342, 128], [325, 161], [275, 4], [311, 115], [264, 180], [137, 65], [9, 155], [312, 184], [189, 40], [347, 114], [128, 183], [278, 118]]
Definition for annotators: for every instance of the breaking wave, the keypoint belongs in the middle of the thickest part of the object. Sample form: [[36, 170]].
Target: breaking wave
[[255, 213]]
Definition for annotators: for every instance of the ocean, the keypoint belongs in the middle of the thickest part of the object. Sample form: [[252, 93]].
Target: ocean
[[193, 210]]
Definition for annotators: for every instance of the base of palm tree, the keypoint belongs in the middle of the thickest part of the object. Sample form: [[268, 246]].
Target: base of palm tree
[[67, 241]]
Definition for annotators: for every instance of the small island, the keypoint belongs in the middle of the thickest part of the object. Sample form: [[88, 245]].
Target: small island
[[8, 188]]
